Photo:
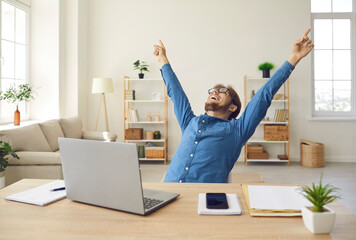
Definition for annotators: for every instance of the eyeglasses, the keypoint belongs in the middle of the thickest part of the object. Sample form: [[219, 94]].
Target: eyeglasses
[[219, 90]]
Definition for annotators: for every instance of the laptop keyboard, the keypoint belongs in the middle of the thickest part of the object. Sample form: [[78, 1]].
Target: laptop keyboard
[[150, 202]]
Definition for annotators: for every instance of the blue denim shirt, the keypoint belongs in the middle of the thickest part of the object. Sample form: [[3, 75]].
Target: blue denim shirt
[[210, 146]]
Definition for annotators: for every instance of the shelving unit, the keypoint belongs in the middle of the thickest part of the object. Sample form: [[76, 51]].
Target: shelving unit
[[257, 83], [145, 105]]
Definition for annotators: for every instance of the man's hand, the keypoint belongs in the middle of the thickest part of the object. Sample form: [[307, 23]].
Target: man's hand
[[300, 49], [160, 53]]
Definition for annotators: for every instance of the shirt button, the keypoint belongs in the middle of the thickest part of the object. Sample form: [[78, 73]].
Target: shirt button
[[186, 168], [196, 142], [180, 181], [191, 155], [199, 130], [203, 121]]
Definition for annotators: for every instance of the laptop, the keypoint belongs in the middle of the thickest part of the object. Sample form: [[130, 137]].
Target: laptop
[[107, 174]]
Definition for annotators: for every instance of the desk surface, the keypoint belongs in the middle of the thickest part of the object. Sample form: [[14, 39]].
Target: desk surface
[[70, 220]]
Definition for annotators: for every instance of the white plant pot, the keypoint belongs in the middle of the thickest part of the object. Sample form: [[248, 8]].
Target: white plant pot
[[2, 179], [318, 222]]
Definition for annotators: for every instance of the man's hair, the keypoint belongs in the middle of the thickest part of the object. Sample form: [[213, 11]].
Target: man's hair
[[235, 99]]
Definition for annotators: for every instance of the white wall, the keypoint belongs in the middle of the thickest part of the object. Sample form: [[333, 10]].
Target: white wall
[[45, 58], [208, 41]]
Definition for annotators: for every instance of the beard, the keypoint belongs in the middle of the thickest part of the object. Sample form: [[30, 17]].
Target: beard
[[215, 107]]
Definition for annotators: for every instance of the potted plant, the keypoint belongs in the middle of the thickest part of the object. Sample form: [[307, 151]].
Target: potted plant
[[15, 95], [319, 218], [142, 66], [265, 68], [5, 149]]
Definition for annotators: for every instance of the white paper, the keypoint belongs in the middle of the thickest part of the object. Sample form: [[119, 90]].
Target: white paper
[[276, 198], [41, 195], [232, 201]]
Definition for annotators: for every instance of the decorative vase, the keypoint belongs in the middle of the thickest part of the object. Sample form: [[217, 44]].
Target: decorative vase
[[140, 75], [2, 179], [265, 73], [318, 222], [158, 117], [149, 117], [17, 116], [157, 135]]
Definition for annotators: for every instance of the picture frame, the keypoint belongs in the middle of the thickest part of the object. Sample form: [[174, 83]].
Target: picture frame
[[156, 96]]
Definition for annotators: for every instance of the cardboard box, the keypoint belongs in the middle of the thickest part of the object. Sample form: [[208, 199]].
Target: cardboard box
[[254, 148], [134, 134], [257, 155]]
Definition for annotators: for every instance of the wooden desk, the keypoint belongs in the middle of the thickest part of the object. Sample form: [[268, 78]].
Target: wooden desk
[[179, 220]]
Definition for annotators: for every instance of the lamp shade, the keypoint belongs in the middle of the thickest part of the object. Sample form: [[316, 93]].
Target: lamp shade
[[102, 85]]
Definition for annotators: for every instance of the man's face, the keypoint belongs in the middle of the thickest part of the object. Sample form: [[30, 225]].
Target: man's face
[[219, 99]]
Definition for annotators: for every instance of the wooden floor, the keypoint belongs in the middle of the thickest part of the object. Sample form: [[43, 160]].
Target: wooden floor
[[341, 175]]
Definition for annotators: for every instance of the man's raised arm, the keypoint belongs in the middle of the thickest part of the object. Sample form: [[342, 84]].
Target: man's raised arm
[[257, 108], [175, 91]]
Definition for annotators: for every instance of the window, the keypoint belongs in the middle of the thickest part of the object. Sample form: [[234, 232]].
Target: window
[[14, 65], [333, 25]]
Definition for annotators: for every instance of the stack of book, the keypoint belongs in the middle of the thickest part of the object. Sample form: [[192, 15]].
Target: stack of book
[[280, 115], [256, 152], [130, 94], [132, 115]]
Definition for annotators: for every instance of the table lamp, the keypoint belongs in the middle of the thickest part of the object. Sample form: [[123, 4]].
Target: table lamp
[[102, 85]]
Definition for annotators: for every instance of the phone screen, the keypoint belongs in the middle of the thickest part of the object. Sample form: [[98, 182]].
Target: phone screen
[[216, 201]]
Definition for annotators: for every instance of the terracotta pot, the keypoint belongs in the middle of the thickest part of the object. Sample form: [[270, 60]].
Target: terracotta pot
[[17, 116]]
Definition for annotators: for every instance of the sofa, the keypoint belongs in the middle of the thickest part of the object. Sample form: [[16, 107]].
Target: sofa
[[37, 147]]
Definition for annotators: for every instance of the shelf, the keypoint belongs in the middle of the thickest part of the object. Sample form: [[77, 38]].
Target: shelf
[[264, 79], [281, 123], [276, 101], [146, 122], [264, 141], [143, 79], [151, 159], [145, 101], [144, 140], [267, 160]]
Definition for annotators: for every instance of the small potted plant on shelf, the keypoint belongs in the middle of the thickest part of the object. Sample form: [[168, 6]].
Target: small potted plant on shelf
[[142, 66], [5, 149], [265, 68], [16, 95], [319, 218]]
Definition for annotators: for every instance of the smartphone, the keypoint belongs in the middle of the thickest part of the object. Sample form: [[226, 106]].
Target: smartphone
[[216, 201]]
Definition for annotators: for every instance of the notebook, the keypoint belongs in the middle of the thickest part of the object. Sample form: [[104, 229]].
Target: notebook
[[41, 195], [232, 201]]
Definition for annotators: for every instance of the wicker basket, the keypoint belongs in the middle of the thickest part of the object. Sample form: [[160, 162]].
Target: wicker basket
[[311, 154], [276, 132], [155, 152]]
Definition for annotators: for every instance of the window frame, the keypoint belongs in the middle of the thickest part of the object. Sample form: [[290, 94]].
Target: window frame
[[25, 113], [336, 114]]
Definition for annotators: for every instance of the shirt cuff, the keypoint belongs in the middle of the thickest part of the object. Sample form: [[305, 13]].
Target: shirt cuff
[[166, 67], [288, 66]]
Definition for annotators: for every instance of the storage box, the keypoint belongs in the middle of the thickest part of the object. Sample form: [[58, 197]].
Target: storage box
[[257, 155], [254, 148], [276, 132], [311, 154], [134, 134], [155, 152]]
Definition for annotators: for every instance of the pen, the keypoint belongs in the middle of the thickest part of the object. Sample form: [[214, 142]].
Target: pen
[[58, 189]]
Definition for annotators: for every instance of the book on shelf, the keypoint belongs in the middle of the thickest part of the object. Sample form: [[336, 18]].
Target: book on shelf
[[280, 115], [130, 94], [132, 115]]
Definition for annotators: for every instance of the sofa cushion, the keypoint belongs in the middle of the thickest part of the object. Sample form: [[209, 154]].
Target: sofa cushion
[[72, 127], [35, 158], [52, 130], [28, 138]]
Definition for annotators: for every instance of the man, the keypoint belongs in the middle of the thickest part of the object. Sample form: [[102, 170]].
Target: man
[[212, 143]]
